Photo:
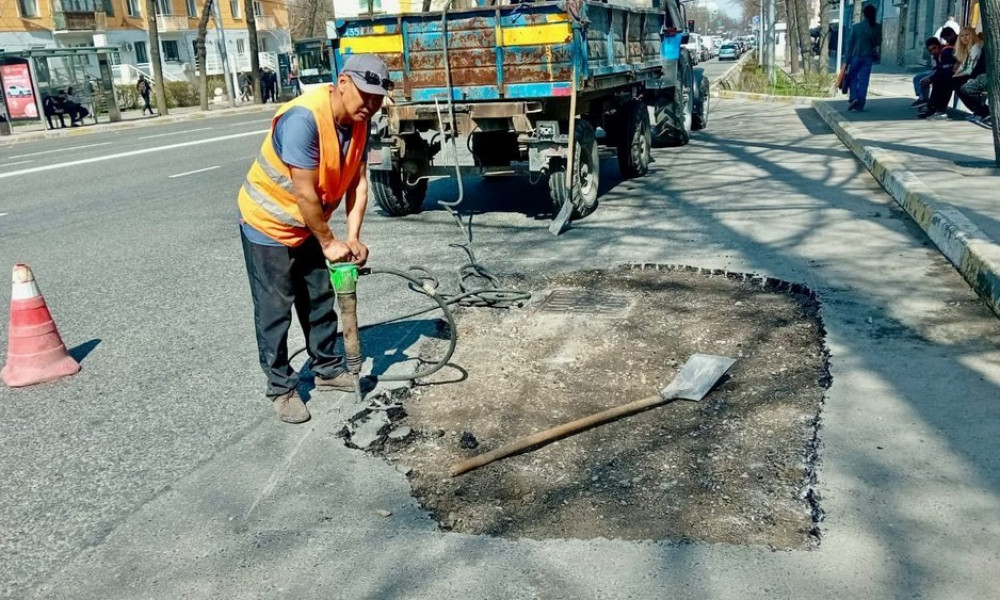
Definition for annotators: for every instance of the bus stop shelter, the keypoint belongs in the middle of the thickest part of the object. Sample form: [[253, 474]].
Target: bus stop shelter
[[29, 77]]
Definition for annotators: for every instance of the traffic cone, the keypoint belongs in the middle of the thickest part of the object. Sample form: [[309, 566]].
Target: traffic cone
[[35, 351]]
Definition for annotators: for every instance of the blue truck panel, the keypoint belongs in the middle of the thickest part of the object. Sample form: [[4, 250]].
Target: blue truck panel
[[523, 51]]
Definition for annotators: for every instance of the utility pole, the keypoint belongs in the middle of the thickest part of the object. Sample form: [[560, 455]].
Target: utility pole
[[154, 57], [840, 36], [223, 52], [769, 23], [258, 95], [990, 10]]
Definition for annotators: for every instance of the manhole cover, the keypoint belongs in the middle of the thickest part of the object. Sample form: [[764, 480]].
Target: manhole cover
[[584, 301]]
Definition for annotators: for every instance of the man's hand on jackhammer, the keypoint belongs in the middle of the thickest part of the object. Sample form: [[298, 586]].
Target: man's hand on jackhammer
[[359, 252], [338, 252]]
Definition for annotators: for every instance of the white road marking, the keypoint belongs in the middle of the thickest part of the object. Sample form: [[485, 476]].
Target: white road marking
[[193, 172], [86, 161], [149, 137], [20, 162], [4, 214], [61, 150], [247, 123]]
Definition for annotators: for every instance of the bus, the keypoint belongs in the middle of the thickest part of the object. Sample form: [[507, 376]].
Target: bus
[[314, 59]]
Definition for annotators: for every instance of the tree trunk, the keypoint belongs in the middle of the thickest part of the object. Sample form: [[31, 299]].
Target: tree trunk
[[199, 44], [258, 95], [791, 35], [991, 33], [154, 57], [313, 8], [824, 37], [804, 45]]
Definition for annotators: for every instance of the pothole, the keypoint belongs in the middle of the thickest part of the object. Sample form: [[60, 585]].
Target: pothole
[[739, 467]]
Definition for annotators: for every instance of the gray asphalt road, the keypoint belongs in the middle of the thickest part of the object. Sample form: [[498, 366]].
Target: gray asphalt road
[[715, 68], [160, 471]]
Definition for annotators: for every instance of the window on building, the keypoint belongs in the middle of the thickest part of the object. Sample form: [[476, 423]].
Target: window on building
[[109, 7], [241, 47], [29, 8], [141, 56], [133, 8], [258, 9], [192, 8], [234, 8], [163, 7], [171, 53]]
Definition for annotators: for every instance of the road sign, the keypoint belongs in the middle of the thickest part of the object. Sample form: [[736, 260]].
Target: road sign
[[756, 19]]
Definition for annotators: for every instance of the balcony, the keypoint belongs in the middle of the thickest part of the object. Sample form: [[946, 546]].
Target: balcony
[[265, 23], [168, 23], [79, 21]]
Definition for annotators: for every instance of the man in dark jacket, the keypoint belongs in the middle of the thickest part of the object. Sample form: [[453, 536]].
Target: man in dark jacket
[[939, 81]]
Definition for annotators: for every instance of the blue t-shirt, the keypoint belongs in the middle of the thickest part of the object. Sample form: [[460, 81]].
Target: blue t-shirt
[[296, 142]]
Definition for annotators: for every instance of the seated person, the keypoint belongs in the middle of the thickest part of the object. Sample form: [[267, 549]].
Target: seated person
[[74, 109], [53, 107], [939, 83], [973, 92]]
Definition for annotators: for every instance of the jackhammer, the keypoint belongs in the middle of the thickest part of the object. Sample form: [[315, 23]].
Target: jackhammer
[[344, 278]]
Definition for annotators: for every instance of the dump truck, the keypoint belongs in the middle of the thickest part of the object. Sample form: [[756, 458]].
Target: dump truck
[[519, 84]]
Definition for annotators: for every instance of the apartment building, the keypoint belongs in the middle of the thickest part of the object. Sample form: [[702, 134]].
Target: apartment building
[[121, 24]]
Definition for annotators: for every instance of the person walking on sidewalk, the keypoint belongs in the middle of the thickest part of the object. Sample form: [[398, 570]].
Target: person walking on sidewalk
[[862, 52], [314, 156], [144, 88]]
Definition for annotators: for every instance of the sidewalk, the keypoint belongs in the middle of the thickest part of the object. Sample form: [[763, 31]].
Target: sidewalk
[[130, 119], [941, 172]]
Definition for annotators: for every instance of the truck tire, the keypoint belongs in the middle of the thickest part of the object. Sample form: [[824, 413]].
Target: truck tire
[[703, 96], [586, 170], [634, 140], [394, 197], [673, 110]]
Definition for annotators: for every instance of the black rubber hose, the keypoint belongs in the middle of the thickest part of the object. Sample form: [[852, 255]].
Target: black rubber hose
[[426, 285]]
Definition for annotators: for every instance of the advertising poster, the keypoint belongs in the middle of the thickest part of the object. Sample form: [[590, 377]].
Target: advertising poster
[[17, 92]]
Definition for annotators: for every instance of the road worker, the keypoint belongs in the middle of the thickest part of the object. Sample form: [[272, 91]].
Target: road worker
[[313, 158]]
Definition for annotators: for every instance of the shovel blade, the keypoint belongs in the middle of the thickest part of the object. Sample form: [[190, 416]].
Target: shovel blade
[[562, 219], [697, 377]]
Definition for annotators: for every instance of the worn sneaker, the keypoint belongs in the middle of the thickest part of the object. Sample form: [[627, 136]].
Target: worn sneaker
[[918, 103], [290, 408], [344, 382], [938, 116]]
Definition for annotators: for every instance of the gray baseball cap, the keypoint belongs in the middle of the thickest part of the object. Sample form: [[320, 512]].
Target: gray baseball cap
[[369, 74]]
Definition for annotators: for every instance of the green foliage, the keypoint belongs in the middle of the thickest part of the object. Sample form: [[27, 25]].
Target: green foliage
[[127, 97], [753, 78], [180, 93]]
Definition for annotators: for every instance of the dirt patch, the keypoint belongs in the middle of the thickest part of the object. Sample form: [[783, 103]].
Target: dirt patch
[[737, 467]]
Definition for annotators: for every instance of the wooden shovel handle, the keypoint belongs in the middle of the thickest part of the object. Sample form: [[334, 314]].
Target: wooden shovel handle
[[548, 436]]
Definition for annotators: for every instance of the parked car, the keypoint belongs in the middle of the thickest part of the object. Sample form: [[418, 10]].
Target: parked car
[[728, 52], [693, 46]]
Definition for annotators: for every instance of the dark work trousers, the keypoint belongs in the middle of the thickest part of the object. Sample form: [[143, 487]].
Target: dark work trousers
[[280, 278]]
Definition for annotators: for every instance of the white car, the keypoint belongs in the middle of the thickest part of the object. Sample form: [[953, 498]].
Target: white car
[[16, 91], [693, 47]]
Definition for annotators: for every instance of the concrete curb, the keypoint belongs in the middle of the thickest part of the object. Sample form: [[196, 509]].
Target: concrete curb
[[33, 136], [975, 255], [723, 79], [754, 97]]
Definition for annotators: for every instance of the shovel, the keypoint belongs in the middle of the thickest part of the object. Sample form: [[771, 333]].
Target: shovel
[[698, 375]]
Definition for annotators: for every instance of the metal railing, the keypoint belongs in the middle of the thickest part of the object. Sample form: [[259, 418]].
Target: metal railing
[[79, 21], [172, 23]]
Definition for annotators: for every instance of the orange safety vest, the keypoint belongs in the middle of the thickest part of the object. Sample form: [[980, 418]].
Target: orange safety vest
[[267, 202]]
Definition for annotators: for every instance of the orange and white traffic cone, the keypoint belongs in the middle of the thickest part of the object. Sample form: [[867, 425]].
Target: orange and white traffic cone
[[35, 351]]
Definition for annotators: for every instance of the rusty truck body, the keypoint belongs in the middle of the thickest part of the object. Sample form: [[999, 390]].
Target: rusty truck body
[[504, 78]]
